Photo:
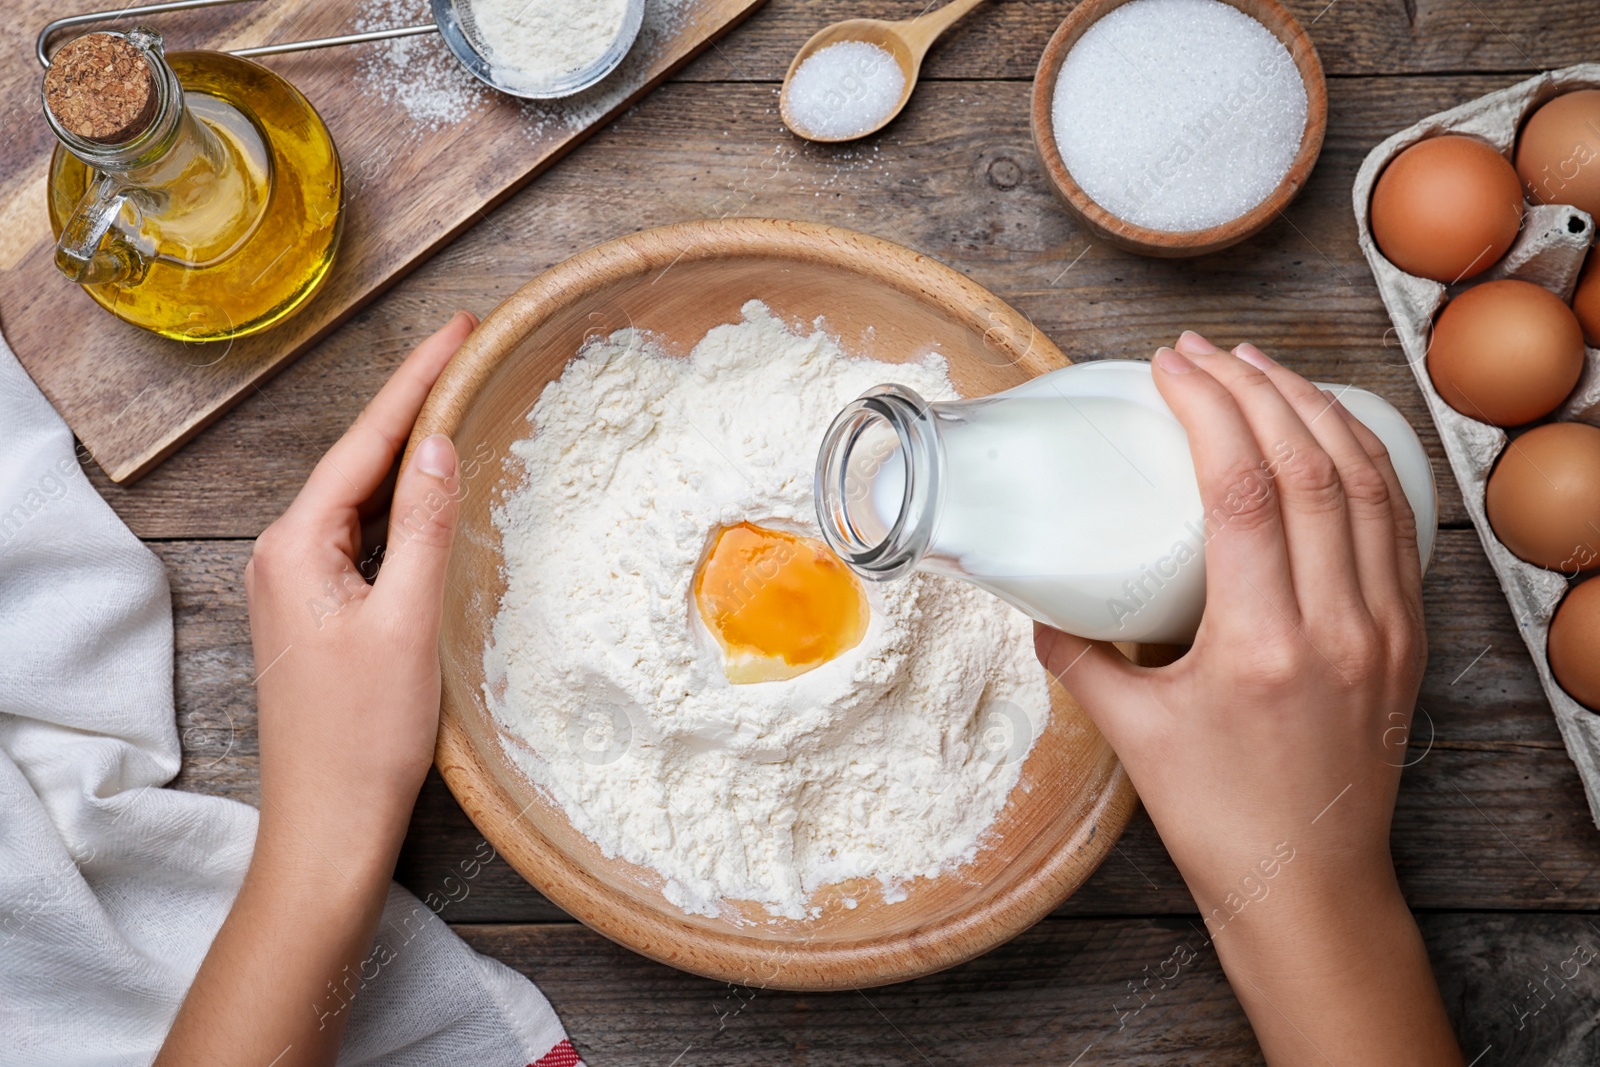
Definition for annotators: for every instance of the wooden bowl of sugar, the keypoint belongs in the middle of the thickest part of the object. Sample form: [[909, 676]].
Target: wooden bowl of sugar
[[1177, 127], [1072, 798]]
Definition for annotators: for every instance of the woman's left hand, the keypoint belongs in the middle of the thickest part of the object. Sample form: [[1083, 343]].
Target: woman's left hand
[[348, 674], [347, 678]]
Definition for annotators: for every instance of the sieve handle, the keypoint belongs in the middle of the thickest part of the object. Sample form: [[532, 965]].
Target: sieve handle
[[41, 45], [334, 42]]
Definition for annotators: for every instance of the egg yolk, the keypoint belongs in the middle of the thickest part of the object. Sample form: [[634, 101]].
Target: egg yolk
[[778, 604]]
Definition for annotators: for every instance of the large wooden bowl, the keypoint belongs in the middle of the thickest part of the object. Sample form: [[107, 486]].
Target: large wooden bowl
[[1175, 243], [677, 282]]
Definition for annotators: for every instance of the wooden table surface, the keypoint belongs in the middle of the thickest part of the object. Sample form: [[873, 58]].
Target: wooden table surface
[[1494, 844]]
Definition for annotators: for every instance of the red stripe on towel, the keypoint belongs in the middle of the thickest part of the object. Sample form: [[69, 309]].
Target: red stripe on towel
[[562, 1055]]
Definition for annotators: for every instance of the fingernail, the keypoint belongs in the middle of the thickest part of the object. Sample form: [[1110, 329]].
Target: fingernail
[[1254, 356], [469, 316], [1194, 344], [436, 456], [1171, 362]]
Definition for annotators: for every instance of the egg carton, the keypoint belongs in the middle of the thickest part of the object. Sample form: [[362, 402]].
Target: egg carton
[[1549, 251]]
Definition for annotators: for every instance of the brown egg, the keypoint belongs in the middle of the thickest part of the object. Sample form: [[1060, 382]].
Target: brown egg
[[1446, 208], [1505, 352], [1543, 497], [1575, 644], [1586, 300], [1558, 152]]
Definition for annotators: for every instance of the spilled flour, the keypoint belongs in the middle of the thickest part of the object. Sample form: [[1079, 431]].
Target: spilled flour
[[420, 77], [885, 764]]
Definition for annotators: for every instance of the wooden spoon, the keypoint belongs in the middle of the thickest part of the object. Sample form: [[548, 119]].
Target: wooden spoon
[[908, 41]]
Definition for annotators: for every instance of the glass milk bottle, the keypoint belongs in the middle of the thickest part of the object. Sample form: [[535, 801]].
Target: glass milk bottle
[[1073, 496]]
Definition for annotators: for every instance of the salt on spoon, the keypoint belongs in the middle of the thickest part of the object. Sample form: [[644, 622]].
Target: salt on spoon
[[854, 77]]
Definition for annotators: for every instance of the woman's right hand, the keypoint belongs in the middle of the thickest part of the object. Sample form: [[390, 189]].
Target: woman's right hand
[[1269, 755]]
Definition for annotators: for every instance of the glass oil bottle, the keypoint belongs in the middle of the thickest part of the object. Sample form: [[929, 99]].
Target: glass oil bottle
[[214, 212]]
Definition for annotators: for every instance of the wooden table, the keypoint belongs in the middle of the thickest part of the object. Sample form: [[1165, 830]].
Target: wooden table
[[1494, 844]]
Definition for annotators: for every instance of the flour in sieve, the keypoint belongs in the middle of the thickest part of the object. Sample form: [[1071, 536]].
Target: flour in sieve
[[887, 763], [533, 43]]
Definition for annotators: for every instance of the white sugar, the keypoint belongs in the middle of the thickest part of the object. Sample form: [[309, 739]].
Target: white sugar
[[1178, 114], [845, 89]]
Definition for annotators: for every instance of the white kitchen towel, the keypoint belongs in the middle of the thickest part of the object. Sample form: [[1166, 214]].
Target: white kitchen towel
[[111, 886]]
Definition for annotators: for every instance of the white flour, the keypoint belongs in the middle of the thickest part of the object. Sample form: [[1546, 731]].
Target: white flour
[[886, 764], [532, 43]]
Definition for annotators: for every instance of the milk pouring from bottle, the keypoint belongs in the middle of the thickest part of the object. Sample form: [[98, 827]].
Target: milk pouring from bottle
[[1072, 496]]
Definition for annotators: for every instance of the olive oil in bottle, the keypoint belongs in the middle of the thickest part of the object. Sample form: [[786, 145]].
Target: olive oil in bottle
[[197, 195]]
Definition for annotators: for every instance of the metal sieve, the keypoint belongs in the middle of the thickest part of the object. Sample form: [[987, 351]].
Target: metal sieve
[[452, 19]]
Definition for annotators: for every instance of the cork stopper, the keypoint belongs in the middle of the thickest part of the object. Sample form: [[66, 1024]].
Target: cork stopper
[[100, 87]]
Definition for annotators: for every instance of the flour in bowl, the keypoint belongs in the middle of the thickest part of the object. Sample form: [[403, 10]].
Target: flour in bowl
[[886, 763]]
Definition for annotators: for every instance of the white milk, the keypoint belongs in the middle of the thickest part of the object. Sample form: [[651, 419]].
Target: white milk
[[1072, 496]]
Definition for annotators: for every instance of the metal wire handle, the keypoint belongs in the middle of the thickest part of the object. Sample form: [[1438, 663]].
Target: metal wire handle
[[40, 46]]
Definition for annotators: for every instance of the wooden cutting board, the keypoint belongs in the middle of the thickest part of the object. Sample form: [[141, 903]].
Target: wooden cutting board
[[426, 154]]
